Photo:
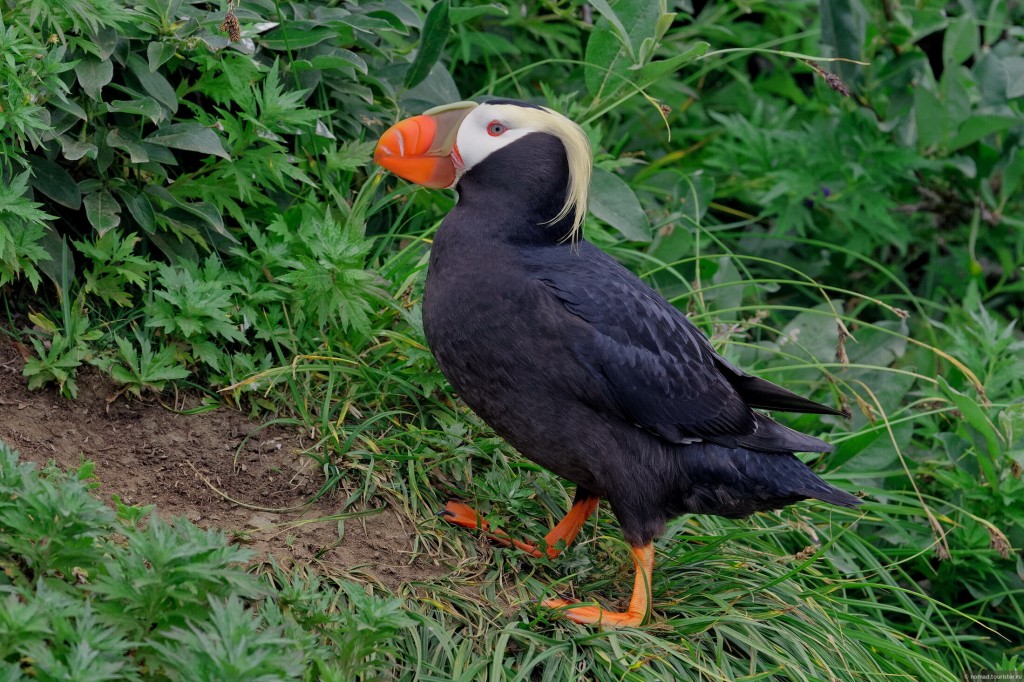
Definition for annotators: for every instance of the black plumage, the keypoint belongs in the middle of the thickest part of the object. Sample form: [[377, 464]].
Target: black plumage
[[592, 374]]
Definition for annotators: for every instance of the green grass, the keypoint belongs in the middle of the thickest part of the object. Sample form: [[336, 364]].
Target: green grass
[[91, 596]]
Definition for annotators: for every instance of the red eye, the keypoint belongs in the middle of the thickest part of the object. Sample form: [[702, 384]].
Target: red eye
[[494, 128]]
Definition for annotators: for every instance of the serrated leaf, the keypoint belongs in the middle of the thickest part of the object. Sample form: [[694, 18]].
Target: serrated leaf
[[612, 200], [102, 210], [432, 39], [55, 182], [193, 137]]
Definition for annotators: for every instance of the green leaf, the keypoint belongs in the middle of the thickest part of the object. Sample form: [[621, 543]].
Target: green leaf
[[55, 182], [432, 39], [136, 152], [961, 40], [608, 13], [612, 200], [193, 137], [976, 417], [978, 127], [1014, 76], [296, 35], [460, 15], [142, 210], [622, 43], [93, 74], [154, 84], [143, 106], [843, 29], [76, 149], [652, 72], [339, 59], [932, 122], [158, 52], [102, 210]]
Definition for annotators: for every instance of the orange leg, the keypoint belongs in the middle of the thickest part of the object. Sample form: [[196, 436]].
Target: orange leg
[[565, 530], [639, 603]]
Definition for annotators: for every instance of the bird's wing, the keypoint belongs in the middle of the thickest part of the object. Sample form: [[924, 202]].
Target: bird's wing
[[658, 370]]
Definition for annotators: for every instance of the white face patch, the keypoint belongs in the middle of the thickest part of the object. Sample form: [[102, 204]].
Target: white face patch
[[474, 141]]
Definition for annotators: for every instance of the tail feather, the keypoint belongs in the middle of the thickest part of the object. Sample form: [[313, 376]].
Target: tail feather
[[764, 395], [737, 482]]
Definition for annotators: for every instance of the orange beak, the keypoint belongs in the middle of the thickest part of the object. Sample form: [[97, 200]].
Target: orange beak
[[422, 149]]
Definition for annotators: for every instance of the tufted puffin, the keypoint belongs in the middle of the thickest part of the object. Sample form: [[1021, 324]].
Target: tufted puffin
[[574, 360]]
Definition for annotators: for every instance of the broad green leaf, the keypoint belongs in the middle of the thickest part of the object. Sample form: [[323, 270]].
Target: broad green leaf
[[1014, 77], [142, 210], [650, 73], [105, 41], [932, 122], [76, 149], [604, 62], [460, 15], [843, 29], [93, 74], [337, 59], [436, 89], [978, 127], [432, 39], [608, 13], [296, 35], [612, 200], [193, 137], [136, 152], [154, 84], [1013, 175], [102, 210], [991, 78], [143, 106], [52, 180], [205, 211], [978, 420], [1011, 422], [611, 53], [961, 40], [158, 52]]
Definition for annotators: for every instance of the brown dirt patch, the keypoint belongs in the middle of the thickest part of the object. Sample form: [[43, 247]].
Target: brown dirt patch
[[147, 454]]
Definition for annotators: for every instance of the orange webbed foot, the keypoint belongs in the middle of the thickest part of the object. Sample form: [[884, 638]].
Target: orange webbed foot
[[463, 515], [595, 615], [639, 602]]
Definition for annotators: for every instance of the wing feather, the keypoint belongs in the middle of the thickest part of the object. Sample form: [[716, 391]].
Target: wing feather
[[657, 369]]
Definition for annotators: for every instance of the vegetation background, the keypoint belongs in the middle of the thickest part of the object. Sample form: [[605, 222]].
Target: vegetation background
[[187, 199]]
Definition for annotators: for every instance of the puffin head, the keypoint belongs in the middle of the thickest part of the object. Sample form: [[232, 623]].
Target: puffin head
[[501, 145]]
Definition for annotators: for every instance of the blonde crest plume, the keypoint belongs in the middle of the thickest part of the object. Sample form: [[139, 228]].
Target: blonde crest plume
[[577, 153]]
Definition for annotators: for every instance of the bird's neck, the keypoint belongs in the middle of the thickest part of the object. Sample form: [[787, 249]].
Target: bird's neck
[[515, 194]]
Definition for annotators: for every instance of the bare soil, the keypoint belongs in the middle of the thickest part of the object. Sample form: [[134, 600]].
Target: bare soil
[[197, 466]]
